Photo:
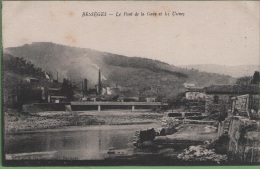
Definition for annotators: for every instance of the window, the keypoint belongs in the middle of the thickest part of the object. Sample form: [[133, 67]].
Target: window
[[216, 99]]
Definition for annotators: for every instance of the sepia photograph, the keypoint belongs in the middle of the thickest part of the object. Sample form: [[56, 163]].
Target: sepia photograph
[[130, 83]]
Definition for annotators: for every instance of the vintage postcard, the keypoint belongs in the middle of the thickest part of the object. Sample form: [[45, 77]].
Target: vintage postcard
[[149, 83]]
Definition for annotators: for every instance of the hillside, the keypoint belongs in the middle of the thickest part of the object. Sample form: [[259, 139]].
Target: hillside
[[138, 73], [19, 66], [17, 90], [234, 71]]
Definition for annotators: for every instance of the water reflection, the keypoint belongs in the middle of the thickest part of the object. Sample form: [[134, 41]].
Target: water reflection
[[76, 144]]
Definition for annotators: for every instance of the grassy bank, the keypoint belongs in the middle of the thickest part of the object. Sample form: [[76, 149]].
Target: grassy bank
[[17, 122]]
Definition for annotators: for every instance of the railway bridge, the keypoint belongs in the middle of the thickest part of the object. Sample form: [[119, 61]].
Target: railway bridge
[[83, 105]]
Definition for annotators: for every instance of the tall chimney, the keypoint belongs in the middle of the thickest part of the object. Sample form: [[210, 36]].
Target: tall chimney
[[96, 87], [82, 87], [99, 82], [57, 76], [86, 86]]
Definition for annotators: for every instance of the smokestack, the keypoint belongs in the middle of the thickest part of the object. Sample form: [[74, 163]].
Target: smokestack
[[82, 87], [99, 82], [57, 76], [96, 87], [86, 86]]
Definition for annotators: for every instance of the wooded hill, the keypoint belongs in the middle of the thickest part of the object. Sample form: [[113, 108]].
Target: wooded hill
[[143, 75]]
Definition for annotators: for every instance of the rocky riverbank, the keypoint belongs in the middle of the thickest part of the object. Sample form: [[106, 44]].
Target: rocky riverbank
[[17, 122]]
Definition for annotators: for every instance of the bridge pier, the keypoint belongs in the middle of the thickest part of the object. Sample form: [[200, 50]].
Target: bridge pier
[[68, 108], [133, 108], [99, 108]]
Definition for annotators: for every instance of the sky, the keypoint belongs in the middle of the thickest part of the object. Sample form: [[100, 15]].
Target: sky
[[225, 32]]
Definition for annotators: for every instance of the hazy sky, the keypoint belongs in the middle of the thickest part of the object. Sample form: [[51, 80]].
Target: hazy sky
[[224, 33]]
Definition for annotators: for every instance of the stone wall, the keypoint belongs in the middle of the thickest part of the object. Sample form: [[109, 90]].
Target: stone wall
[[244, 138], [223, 104], [223, 127], [247, 105], [195, 106]]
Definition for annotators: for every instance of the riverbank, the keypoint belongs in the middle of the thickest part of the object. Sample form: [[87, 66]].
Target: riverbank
[[106, 135], [17, 122]]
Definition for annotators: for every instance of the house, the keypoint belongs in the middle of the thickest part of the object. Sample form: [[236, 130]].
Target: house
[[32, 80], [186, 85], [150, 99], [110, 91], [58, 99], [218, 97], [195, 93]]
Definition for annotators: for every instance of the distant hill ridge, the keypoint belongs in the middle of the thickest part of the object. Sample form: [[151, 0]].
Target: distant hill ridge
[[140, 73], [234, 71]]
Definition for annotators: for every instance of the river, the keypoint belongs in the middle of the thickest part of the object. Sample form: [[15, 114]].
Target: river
[[77, 143]]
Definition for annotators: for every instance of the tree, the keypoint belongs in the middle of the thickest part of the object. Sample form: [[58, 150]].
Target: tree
[[246, 80], [20, 66], [177, 101], [256, 78]]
